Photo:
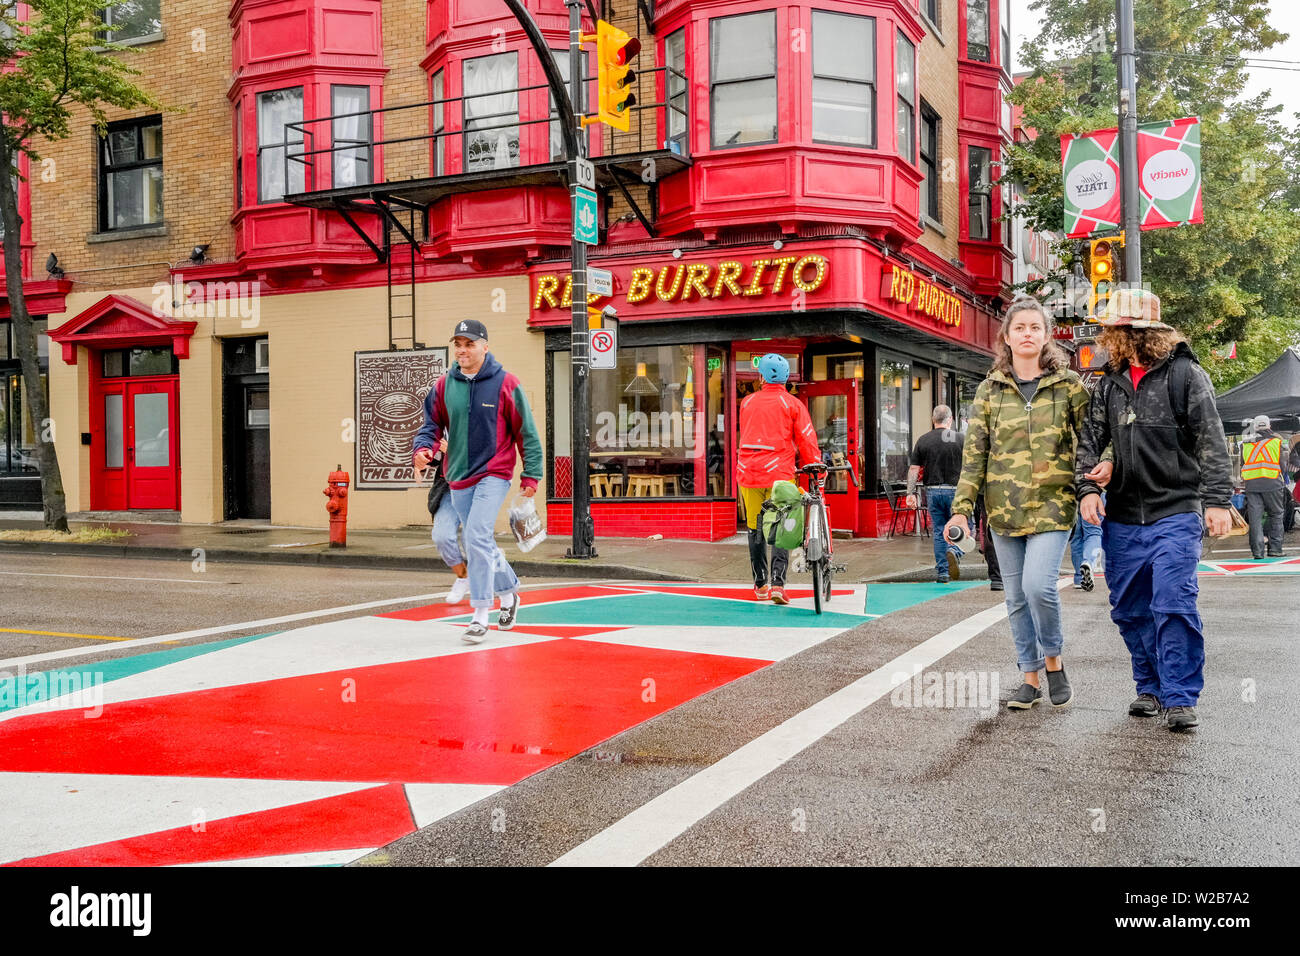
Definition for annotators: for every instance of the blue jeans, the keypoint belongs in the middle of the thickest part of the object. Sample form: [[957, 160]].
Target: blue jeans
[[1031, 565], [445, 525], [939, 501], [477, 507], [1085, 545], [1151, 573]]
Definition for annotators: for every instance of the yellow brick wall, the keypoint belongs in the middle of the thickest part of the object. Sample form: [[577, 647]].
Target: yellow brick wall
[[188, 71], [938, 87], [406, 83]]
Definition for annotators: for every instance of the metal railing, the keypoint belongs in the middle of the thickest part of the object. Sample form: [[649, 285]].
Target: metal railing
[[447, 151]]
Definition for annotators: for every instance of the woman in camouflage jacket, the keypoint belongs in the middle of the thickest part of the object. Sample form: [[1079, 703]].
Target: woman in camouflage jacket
[[1020, 453]]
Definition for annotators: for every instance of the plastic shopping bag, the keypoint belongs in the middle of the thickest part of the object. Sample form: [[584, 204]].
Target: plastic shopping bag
[[526, 524]]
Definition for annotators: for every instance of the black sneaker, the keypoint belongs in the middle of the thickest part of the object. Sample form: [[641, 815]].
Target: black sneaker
[[1058, 688], [1026, 696], [1146, 705], [996, 586], [954, 564], [1182, 718], [1085, 576], [506, 619]]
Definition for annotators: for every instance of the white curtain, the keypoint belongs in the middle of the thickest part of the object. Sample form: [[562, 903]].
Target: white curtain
[[351, 165], [274, 109], [491, 98]]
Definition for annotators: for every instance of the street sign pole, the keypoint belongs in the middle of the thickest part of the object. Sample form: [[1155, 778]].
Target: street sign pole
[[1128, 144], [584, 536]]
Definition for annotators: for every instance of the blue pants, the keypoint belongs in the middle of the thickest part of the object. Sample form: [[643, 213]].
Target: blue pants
[[1085, 545], [1031, 566], [477, 507], [939, 501], [1151, 573]]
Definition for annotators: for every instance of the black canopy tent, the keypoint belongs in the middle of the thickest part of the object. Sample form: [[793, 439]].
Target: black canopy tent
[[1274, 392]]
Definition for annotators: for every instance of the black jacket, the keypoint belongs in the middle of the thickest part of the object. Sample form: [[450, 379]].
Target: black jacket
[[1158, 472]]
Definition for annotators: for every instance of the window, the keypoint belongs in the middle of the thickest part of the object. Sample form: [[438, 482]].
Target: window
[[977, 30], [675, 59], [931, 9], [844, 79], [894, 401], [742, 65], [658, 421], [274, 109], [239, 156], [1006, 35], [351, 129], [905, 113], [491, 88], [135, 18], [930, 163], [561, 58], [149, 360], [981, 192], [130, 175], [1006, 210], [439, 122]]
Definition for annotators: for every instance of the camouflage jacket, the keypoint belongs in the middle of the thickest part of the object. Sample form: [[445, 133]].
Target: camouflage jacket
[[1021, 456]]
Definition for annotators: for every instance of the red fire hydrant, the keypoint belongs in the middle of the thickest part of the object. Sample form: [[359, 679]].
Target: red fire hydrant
[[337, 506]]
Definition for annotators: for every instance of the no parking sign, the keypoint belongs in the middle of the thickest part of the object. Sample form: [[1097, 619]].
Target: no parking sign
[[604, 348]]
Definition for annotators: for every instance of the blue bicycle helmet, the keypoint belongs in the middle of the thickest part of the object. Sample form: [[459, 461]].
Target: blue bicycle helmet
[[774, 368]]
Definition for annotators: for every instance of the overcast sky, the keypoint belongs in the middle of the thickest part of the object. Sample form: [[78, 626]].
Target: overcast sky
[[1285, 16]]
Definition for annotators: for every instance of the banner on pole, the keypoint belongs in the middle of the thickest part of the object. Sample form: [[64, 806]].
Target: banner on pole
[[1169, 177], [1169, 181], [1090, 171]]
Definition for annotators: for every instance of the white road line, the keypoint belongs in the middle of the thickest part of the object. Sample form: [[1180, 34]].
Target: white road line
[[654, 825], [225, 628], [105, 577]]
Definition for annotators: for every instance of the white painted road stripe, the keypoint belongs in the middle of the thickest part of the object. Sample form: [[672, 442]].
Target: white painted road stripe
[[246, 625], [106, 577], [653, 826]]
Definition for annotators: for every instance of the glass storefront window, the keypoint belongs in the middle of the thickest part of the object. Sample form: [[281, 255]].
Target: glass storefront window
[[658, 424], [894, 382], [965, 402], [18, 448]]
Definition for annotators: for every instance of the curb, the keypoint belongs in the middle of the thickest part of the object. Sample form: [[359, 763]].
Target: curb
[[340, 558]]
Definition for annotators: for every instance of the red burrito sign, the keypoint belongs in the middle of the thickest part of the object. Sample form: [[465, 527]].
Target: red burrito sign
[[924, 297]]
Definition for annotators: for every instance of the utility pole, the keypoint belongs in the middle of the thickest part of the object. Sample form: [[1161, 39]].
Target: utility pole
[[584, 532], [1128, 144]]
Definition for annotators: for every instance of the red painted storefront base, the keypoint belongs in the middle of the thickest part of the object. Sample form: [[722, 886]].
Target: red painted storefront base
[[689, 520], [708, 520]]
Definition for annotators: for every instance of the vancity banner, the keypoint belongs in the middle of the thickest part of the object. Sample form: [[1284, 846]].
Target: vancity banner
[[1169, 177]]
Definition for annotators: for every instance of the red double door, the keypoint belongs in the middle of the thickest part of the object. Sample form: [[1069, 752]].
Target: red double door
[[135, 444], [835, 407]]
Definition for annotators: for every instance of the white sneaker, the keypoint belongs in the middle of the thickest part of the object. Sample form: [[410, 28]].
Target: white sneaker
[[478, 627], [459, 591]]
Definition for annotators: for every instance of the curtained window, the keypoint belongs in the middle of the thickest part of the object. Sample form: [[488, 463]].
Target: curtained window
[[491, 90], [353, 162], [274, 109]]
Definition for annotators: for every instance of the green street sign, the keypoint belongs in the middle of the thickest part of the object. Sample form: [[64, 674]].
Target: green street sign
[[584, 215]]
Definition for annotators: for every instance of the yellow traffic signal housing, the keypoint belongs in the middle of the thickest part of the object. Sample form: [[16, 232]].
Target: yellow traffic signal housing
[[615, 51], [1101, 273]]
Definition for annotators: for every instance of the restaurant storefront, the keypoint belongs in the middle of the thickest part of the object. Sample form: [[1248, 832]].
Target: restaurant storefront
[[873, 344]]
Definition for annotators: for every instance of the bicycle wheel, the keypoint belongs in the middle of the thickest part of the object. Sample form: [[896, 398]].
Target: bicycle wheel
[[827, 574], [820, 570]]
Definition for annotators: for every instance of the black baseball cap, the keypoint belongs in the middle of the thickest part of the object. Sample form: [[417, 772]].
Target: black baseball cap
[[470, 329]]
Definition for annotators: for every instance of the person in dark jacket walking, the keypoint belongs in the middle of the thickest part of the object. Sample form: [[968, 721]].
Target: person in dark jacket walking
[[483, 412], [1155, 405]]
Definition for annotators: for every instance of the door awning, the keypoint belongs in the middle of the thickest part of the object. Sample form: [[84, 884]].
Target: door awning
[[118, 321]]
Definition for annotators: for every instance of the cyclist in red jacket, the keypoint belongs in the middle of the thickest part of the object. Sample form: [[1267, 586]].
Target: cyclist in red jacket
[[774, 426]]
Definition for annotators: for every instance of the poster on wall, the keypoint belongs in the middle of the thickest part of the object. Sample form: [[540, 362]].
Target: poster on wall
[[390, 389]]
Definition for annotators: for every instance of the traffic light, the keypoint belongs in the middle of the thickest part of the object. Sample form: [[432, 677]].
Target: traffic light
[[615, 51], [1101, 273]]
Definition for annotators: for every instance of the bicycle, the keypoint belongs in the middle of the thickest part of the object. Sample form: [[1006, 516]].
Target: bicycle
[[818, 542]]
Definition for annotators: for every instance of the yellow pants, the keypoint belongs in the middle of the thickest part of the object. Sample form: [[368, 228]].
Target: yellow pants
[[751, 500]]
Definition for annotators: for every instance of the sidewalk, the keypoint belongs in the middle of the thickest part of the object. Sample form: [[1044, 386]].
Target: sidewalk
[[905, 557]]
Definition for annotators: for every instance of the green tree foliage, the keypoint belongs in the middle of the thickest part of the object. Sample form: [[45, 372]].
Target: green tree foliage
[[1237, 276], [57, 71]]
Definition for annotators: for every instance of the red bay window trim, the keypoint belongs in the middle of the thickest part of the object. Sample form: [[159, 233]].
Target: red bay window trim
[[25, 240], [45, 297]]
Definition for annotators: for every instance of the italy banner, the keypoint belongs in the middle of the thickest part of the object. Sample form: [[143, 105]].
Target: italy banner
[[1090, 169], [1169, 184]]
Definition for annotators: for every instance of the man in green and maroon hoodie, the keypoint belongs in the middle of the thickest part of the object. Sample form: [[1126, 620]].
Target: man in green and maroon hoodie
[[482, 410]]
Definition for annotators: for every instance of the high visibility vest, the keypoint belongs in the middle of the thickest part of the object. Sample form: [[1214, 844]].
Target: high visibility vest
[[1262, 459]]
